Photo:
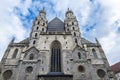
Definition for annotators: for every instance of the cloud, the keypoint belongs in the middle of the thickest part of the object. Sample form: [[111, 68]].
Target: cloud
[[97, 18], [10, 25]]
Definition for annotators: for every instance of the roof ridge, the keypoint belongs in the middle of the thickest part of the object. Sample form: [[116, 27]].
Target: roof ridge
[[56, 18]]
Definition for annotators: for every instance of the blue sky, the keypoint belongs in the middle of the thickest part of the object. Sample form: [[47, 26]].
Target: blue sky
[[97, 18]]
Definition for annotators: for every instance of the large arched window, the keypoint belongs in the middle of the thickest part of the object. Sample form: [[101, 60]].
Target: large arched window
[[55, 57], [94, 53], [15, 54]]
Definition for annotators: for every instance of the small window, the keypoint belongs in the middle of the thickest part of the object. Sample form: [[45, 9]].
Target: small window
[[34, 42], [42, 29], [79, 55], [31, 57], [15, 54], [75, 40], [38, 22], [67, 24], [68, 29], [37, 28], [66, 42], [72, 23], [73, 28], [43, 24], [74, 34], [94, 53], [35, 35]]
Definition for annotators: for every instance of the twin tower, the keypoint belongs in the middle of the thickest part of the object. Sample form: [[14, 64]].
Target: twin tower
[[55, 50]]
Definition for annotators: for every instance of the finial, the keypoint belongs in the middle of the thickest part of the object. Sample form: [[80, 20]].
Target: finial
[[43, 8], [68, 9], [97, 41], [12, 41]]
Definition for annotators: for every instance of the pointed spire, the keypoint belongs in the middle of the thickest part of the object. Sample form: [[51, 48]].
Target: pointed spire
[[43, 10], [69, 11], [12, 41], [97, 41]]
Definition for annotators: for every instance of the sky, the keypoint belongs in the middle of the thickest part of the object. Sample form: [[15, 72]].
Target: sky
[[97, 19]]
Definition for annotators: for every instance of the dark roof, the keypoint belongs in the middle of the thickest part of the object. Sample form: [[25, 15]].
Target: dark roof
[[56, 25], [25, 41], [85, 41], [88, 43], [116, 67]]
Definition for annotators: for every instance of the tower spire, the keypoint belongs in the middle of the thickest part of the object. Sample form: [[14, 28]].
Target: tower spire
[[97, 41], [43, 8], [68, 9], [12, 41]]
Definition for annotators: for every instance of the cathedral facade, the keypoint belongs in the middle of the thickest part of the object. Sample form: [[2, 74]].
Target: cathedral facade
[[55, 50]]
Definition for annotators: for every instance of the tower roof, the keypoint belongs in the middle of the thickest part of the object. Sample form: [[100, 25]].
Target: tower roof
[[43, 11], [69, 11], [56, 25]]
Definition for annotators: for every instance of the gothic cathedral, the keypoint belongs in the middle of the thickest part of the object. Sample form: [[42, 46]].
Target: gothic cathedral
[[55, 50]]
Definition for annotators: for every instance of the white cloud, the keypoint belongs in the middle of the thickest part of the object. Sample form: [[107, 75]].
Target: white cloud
[[103, 12], [10, 25]]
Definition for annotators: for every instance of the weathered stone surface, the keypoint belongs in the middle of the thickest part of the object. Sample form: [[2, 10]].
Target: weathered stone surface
[[80, 59]]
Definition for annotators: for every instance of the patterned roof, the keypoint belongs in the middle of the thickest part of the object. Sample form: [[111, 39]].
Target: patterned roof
[[56, 25], [116, 67], [85, 41], [25, 41]]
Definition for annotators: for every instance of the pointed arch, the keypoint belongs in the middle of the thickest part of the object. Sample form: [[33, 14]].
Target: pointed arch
[[94, 53], [55, 56], [15, 54]]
